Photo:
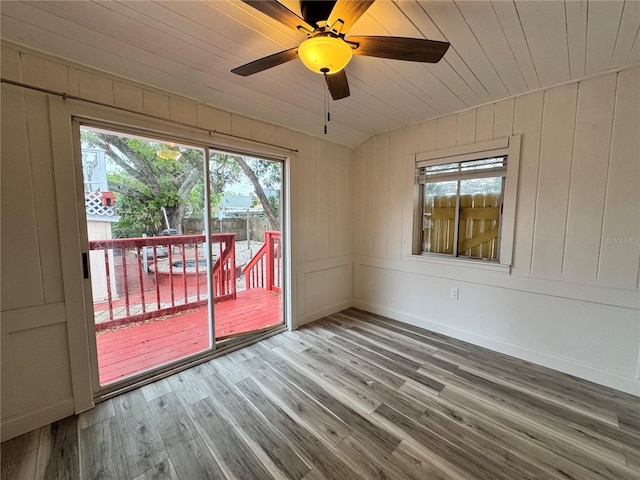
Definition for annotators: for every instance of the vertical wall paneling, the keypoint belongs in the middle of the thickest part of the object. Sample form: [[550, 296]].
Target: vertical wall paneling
[[466, 127], [427, 136], [411, 141], [350, 195], [19, 220], [284, 136], [214, 119], [316, 168], [296, 199], [409, 213], [9, 405], [127, 96], [99, 88], [155, 103], [527, 121], [327, 202], [263, 132], [620, 244], [395, 198], [50, 383], [368, 195], [484, 122], [311, 202], [39, 138], [380, 190], [300, 221], [44, 73], [10, 65], [345, 202], [182, 111], [240, 125], [358, 200], [503, 118], [589, 178], [446, 132], [556, 151]]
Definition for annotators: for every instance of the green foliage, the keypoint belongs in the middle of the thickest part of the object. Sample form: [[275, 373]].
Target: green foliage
[[135, 219], [145, 182], [268, 172], [275, 204]]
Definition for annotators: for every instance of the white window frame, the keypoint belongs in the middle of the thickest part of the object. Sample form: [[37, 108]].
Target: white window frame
[[509, 147]]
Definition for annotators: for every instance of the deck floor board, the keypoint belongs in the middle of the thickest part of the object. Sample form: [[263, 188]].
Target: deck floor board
[[124, 351]]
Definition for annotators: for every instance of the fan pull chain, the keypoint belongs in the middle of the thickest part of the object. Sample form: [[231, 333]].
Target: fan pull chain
[[326, 103]]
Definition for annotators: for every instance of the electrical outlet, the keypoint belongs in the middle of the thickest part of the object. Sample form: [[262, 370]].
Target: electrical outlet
[[454, 293]]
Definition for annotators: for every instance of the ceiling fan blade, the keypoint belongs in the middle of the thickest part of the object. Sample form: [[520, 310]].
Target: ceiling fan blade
[[338, 85], [279, 12], [265, 63], [399, 48], [349, 11]]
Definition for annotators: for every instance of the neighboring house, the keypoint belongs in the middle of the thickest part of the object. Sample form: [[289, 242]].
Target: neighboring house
[[101, 213], [233, 206]]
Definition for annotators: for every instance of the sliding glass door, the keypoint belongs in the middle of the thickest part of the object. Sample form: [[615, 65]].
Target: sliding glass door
[[184, 250], [246, 202]]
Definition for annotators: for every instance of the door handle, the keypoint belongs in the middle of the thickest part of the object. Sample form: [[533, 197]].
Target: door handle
[[85, 265]]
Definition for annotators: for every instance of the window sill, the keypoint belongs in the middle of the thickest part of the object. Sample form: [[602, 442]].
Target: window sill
[[461, 262]]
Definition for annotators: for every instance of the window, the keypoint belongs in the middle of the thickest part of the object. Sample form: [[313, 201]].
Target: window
[[463, 193]]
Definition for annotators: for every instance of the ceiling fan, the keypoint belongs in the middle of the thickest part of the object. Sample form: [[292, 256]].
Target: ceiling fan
[[326, 50]]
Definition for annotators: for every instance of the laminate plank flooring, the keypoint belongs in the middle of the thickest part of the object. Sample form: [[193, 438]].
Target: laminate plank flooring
[[352, 396]]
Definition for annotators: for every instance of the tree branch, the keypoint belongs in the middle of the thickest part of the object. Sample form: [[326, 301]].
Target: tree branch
[[128, 191], [268, 209]]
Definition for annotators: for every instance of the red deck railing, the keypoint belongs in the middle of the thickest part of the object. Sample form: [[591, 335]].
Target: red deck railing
[[263, 271], [148, 285]]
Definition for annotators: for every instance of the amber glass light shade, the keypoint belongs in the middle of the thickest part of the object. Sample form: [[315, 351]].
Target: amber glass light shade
[[325, 54]]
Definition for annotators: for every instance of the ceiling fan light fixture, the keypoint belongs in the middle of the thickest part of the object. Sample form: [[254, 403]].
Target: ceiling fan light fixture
[[168, 152], [325, 54]]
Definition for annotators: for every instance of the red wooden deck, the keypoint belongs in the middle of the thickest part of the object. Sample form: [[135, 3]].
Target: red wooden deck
[[131, 349]]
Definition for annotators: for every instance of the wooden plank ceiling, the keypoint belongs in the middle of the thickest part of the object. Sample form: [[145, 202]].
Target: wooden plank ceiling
[[498, 48]]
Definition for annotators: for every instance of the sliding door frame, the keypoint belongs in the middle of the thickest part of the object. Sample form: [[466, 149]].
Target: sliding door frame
[[65, 117]]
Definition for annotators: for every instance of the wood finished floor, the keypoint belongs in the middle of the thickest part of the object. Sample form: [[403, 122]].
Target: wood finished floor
[[351, 396]]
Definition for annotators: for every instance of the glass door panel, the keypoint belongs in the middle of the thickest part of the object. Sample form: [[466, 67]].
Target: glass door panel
[[246, 195], [145, 211]]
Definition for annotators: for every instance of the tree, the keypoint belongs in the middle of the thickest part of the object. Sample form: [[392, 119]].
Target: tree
[[147, 182], [269, 175]]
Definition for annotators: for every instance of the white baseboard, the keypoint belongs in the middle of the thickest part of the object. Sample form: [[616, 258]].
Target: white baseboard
[[565, 365], [25, 422], [318, 314]]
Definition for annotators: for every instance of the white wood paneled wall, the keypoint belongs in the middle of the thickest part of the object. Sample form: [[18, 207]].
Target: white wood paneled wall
[[577, 234], [578, 157], [36, 364]]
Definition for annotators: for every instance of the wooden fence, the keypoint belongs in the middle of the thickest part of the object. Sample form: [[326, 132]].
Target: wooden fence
[[478, 229]]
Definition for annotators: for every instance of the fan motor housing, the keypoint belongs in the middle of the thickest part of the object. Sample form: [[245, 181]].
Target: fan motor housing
[[316, 11]]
